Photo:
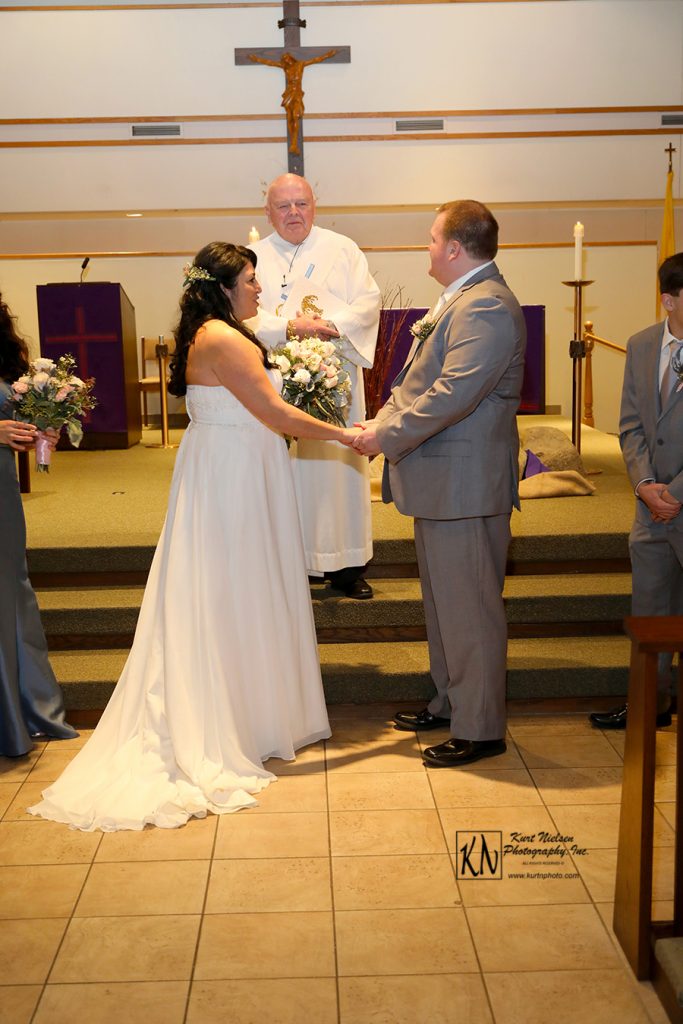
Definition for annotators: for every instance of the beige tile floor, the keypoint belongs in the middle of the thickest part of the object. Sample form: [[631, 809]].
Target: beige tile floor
[[341, 898]]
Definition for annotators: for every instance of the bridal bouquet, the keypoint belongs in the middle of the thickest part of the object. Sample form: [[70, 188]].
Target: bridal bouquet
[[313, 378], [50, 395]]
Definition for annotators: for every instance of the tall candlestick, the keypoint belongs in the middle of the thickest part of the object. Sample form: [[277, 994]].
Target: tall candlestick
[[578, 251], [253, 236]]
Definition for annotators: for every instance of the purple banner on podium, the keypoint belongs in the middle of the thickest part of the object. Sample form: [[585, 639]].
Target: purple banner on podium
[[95, 323], [398, 322]]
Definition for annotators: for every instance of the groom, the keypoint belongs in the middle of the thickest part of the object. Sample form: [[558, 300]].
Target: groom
[[449, 436]]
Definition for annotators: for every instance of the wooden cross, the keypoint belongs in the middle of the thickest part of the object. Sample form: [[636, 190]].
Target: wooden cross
[[293, 58], [670, 150]]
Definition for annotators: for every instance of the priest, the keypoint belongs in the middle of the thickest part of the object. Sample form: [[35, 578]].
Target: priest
[[317, 283]]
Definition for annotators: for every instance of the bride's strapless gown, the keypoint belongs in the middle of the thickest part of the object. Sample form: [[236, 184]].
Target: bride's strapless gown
[[224, 671]]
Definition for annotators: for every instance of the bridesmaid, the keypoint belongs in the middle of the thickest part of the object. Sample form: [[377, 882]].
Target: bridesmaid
[[30, 699]]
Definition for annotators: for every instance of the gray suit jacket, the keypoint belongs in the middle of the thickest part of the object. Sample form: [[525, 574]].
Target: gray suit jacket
[[448, 429], [651, 438]]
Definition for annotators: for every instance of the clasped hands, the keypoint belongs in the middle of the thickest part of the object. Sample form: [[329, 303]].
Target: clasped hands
[[661, 503], [23, 436], [362, 438]]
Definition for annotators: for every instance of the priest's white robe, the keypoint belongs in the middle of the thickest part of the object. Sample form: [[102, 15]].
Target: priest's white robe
[[332, 482]]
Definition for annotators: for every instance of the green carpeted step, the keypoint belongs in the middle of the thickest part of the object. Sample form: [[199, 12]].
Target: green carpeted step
[[77, 617], [367, 673], [90, 611], [87, 678], [564, 598], [581, 597], [537, 668], [395, 553]]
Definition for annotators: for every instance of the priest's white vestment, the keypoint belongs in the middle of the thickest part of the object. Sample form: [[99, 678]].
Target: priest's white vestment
[[332, 482]]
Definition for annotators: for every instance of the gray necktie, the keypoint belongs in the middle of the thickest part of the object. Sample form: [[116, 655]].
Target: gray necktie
[[670, 377], [437, 306]]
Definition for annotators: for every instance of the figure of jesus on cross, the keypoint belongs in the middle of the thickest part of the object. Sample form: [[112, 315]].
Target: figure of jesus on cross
[[293, 96], [293, 59]]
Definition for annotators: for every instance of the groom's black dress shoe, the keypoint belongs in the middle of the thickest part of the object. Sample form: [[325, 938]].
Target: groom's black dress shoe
[[616, 718], [411, 721], [454, 752]]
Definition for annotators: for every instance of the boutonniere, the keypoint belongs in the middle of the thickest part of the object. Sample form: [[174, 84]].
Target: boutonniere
[[421, 329]]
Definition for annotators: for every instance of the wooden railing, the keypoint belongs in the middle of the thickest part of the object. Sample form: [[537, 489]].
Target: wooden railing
[[590, 341]]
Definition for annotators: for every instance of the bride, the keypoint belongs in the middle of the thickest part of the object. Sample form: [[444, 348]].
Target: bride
[[223, 673]]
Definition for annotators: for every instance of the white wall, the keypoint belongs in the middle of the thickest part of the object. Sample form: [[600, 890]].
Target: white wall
[[477, 56]]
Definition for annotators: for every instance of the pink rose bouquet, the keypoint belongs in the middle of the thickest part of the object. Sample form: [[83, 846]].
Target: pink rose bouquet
[[314, 378], [50, 395]]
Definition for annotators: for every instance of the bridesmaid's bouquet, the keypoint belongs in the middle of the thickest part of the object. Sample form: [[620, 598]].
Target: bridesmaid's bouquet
[[50, 395], [313, 378]]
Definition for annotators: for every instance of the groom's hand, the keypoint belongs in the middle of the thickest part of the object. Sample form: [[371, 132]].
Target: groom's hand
[[366, 443]]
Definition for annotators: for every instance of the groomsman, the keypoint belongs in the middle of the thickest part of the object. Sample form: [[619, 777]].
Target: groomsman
[[332, 483], [651, 437], [449, 436]]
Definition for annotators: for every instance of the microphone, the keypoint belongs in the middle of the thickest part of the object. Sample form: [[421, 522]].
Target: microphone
[[84, 268]]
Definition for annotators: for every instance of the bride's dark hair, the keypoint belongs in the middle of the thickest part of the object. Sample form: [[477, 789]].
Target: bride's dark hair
[[203, 299], [13, 348]]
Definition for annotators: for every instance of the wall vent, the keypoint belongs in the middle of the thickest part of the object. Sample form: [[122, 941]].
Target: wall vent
[[420, 124], [154, 130], [672, 119]]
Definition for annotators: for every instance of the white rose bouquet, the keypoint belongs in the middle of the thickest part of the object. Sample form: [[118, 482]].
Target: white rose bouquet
[[51, 396], [314, 379]]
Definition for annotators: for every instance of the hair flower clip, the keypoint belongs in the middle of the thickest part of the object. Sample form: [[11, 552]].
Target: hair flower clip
[[195, 273]]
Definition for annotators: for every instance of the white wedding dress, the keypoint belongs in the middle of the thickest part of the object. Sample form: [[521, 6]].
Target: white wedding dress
[[224, 671]]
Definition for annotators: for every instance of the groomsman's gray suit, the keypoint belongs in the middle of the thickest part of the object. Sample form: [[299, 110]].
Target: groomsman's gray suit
[[651, 440], [449, 435]]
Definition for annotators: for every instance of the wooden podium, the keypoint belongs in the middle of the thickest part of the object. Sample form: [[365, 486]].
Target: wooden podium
[[95, 323]]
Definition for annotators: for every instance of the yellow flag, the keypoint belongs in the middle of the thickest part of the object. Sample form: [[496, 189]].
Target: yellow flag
[[667, 243]]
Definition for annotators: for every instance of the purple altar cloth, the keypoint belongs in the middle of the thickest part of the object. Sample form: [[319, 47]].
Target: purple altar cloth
[[533, 385]]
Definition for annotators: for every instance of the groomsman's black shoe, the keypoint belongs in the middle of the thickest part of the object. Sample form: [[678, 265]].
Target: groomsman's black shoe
[[454, 752], [360, 590], [616, 718], [411, 721]]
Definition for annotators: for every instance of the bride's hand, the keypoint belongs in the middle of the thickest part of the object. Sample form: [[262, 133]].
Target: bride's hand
[[349, 435], [20, 436]]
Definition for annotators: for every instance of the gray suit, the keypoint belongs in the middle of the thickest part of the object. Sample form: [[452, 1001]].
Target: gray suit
[[449, 436], [652, 444]]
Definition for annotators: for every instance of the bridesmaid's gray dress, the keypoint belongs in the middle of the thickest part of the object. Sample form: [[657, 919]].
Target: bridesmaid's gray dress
[[30, 698]]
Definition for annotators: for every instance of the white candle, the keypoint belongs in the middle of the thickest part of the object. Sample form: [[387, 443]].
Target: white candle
[[253, 236], [578, 251]]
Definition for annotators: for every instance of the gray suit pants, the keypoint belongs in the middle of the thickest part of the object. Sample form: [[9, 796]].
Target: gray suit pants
[[462, 571], [657, 565]]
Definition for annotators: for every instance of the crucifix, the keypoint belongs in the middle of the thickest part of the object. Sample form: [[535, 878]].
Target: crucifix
[[293, 58], [670, 150]]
